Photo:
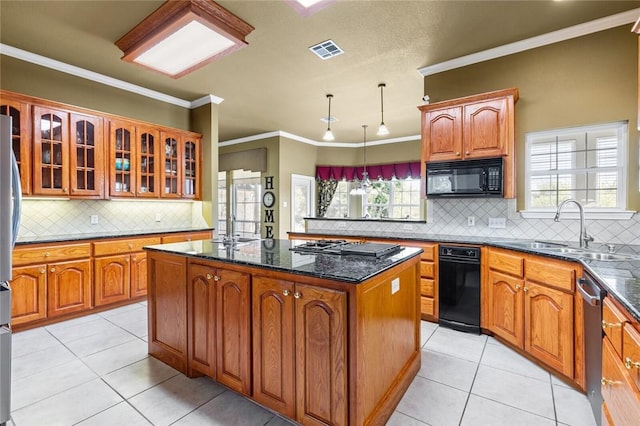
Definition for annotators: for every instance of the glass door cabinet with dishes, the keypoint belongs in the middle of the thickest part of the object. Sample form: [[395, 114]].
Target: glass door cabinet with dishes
[[20, 137], [181, 168]]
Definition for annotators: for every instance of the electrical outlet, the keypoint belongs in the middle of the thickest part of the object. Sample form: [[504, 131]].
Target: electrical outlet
[[94, 219], [158, 217], [395, 285], [342, 225], [471, 221], [497, 222], [407, 227]]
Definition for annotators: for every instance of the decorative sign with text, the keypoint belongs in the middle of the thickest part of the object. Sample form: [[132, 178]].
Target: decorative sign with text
[[268, 201]]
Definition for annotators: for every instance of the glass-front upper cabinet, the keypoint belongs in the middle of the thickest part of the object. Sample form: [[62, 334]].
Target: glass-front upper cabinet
[[171, 165], [191, 169], [122, 150], [50, 151], [147, 176], [20, 138], [86, 156]]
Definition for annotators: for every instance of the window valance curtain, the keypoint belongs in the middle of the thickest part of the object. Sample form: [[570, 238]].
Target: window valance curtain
[[376, 171]]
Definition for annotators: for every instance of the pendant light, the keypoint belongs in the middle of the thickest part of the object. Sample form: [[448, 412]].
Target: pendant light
[[328, 135], [365, 183], [382, 129]]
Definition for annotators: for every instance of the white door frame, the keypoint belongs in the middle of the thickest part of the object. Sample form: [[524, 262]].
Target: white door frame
[[312, 194]]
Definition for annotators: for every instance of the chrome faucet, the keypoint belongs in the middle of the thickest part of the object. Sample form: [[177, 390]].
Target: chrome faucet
[[231, 236], [584, 238]]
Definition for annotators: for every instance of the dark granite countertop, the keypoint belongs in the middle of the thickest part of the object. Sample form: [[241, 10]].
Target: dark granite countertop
[[620, 278], [101, 235], [275, 255]]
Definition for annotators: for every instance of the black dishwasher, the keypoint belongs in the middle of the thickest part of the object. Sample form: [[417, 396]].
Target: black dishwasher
[[459, 288]]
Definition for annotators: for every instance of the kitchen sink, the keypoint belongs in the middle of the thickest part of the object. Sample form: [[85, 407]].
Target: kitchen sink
[[607, 257], [235, 241], [537, 244]]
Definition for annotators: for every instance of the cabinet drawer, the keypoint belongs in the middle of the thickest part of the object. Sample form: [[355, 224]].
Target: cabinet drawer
[[109, 247], [191, 236], [561, 275], [427, 287], [631, 353], [46, 254], [623, 402], [429, 252], [427, 269], [612, 322], [503, 261], [427, 305]]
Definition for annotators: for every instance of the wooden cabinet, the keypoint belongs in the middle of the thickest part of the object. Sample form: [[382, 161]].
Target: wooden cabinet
[[219, 325], [20, 136], [49, 281], [479, 126], [120, 269], [168, 309], [296, 371], [528, 301], [28, 298], [67, 153], [187, 236], [620, 384], [180, 169]]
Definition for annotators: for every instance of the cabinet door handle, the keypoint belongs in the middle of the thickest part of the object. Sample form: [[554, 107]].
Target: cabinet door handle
[[608, 382], [629, 363], [286, 292], [130, 246], [611, 324], [65, 190], [466, 153], [526, 289], [517, 287], [209, 276], [42, 271], [52, 269], [297, 295], [134, 258], [458, 154], [47, 254], [127, 260], [216, 278]]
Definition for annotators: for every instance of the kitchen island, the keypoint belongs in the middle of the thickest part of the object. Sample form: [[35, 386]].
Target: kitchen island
[[324, 339]]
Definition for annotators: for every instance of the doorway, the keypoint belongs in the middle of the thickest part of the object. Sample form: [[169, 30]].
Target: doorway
[[302, 201]]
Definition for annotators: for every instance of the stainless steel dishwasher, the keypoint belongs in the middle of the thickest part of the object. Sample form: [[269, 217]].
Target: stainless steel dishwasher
[[459, 288], [593, 294]]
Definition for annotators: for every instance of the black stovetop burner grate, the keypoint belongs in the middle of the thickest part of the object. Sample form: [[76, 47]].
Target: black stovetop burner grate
[[342, 247]]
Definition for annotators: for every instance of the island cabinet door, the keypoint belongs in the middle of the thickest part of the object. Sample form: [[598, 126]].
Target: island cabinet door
[[201, 297], [233, 330], [321, 356], [273, 344], [168, 309]]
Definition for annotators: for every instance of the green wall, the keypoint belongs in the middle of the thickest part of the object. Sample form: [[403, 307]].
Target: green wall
[[34, 80], [376, 154], [591, 79]]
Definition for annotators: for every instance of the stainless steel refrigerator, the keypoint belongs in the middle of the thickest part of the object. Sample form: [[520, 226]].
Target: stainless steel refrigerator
[[10, 201]]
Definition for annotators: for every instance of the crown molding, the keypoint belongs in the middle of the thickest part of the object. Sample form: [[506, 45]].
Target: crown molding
[[579, 30], [53, 64], [280, 133]]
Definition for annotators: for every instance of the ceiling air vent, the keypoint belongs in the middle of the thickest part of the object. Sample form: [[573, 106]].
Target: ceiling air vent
[[326, 49]]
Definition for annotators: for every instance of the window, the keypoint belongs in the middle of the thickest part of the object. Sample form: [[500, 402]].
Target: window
[[339, 206], [394, 199], [586, 164], [245, 202]]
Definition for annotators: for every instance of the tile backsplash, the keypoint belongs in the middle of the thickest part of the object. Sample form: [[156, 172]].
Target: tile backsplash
[[60, 217], [449, 217]]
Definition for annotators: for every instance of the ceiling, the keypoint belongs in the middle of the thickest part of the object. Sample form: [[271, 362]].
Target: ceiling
[[276, 83]]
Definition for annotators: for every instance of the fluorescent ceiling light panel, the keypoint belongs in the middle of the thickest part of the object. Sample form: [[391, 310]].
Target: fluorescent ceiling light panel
[[308, 7], [182, 36], [170, 55], [308, 3]]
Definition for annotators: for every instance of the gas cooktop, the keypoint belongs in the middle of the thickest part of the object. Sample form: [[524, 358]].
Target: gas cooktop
[[342, 247]]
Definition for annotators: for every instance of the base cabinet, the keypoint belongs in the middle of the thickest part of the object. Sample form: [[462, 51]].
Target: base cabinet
[[310, 382], [29, 289], [68, 287], [112, 278], [529, 303]]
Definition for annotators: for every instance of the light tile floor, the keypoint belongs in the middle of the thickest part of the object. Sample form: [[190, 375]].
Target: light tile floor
[[95, 370]]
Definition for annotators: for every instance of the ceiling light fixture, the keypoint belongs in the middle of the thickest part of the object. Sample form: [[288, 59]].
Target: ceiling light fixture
[[382, 129], [328, 135], [182, 36], [308, 7], [365, 183]]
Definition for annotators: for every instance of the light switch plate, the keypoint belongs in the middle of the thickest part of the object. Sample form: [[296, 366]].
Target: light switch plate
[[94, 219], [497, 222], [158, 217], [471, 221], [395, 285]]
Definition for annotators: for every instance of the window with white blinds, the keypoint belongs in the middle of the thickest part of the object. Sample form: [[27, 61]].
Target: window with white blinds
[[581, 163]]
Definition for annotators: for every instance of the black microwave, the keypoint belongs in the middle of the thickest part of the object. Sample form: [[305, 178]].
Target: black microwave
[[465, 178]]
